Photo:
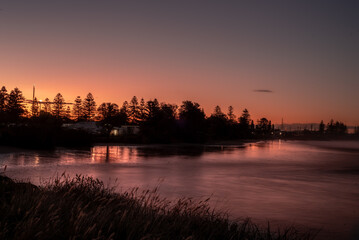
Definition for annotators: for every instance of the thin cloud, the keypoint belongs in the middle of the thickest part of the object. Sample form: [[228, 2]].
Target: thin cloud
[[263, 90]]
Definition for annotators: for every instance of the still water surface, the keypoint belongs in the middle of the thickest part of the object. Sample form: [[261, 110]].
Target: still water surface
[[315, 184]]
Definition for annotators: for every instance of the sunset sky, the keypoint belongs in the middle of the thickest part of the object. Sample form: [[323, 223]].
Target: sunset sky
[[303, 54]]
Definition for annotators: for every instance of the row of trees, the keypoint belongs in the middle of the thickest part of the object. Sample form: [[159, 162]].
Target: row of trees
[[82, 110], [333, 127], [13, 107], [157, 121], [133, 112], [161, 121], [11, 104]]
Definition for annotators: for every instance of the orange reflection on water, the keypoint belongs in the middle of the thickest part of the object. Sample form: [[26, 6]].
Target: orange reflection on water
[[37, 159], [114, 154], [261, 149]]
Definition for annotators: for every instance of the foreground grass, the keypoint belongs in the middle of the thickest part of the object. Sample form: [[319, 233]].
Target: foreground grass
[[82, 208]]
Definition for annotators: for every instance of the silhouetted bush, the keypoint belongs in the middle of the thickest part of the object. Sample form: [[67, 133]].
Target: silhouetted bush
[[82, 208]]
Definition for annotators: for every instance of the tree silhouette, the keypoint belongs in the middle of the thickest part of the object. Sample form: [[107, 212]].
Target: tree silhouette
[[270, 126], [252, 126], [336, 127], [166, 125], [123, 115], [230, 114], [153, 109], [47, 106], [89, 107], [15, 107], [160, 122], [245, 119], [218, 125], [134, 110], [143, 110], [263, 126], [77, 109], [109, 115], [321, 127], [35, 107], [356, 130], [244, 124], [108, 111], [4, 97], [263, 123], [218, 113], [68, 113], [192, 121], [191, 111], [169, 110], [58, 106]]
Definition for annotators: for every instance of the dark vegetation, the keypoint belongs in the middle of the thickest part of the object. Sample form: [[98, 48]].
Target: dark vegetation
[[82, 208], [45, 124]]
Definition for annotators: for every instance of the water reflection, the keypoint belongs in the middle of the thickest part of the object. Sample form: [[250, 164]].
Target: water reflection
[[134, 154], [307, 183], [161, 151], [114, 154]]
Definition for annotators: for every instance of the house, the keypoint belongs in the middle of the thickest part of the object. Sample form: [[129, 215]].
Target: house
[[90, 127], [125, 130]]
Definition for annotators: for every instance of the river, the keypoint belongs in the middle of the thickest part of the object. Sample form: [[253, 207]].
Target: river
[[304, 183]]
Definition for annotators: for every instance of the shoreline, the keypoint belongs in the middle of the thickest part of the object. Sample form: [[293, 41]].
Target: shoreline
[[4, 149]]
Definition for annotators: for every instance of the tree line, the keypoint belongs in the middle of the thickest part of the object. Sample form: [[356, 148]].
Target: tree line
[[158, 122]]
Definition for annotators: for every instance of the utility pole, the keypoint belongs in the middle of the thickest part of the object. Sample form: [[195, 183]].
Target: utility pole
[[33, 100]]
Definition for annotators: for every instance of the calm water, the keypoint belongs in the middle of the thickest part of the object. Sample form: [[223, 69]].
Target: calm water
[[310, 183]]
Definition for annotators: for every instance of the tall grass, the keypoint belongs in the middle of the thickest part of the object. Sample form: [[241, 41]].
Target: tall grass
[[83, 208]]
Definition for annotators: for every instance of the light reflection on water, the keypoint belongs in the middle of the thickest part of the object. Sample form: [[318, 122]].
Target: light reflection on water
[[310, 183]]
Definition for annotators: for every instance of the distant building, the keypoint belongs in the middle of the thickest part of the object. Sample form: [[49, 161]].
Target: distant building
[[90, 127], [125, 130]]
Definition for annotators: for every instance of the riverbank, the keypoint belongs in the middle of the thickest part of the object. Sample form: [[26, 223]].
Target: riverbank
[[83, 208], [47, 137]]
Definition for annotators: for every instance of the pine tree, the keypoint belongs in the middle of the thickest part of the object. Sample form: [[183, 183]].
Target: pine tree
[[245, 118], [47, 106], [58, 106], [35, 107], [77, 108], [124, 113], [89, 107], [15, 107], [143, 110], [218, 113], [134, 110], [321, 127], [68, 112], [4, 97], [231, 116], [108, 111]]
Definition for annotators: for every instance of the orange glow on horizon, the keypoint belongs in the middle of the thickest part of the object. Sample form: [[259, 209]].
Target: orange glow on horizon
[[301, 59], [275, 115]]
